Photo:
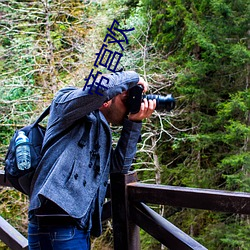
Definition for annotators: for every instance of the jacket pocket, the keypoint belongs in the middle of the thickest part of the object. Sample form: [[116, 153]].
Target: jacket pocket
[[72, 173]]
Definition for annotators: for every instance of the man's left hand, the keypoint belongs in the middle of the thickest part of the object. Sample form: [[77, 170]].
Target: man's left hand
[[147, 108]]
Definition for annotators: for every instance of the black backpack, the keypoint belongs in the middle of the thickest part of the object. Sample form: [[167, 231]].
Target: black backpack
[[21, 179]]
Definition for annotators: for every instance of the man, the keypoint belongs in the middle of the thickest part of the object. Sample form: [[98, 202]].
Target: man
[[70, 184]]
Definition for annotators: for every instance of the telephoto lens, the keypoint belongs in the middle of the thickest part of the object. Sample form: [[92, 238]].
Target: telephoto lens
[[162, 102], [135, 98]]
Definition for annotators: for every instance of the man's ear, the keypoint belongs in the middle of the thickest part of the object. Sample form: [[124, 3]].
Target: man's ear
[[105, 104]]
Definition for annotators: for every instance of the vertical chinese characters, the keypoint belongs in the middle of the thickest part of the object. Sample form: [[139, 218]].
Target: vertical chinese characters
[[107, 58]]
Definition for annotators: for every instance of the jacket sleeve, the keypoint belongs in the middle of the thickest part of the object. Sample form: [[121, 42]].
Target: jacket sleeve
[[71, 104], [124, 153]]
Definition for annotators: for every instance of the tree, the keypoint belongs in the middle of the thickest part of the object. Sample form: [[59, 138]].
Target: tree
[[205, 43], [42, 48]]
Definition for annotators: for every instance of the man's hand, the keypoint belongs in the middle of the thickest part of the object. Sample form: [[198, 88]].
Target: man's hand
[[144, 84], [147, 108]]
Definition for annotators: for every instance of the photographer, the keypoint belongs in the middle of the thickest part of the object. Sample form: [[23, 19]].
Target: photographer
[[70, 185]]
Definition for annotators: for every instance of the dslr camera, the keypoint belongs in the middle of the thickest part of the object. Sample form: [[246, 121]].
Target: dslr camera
[[135, 97]]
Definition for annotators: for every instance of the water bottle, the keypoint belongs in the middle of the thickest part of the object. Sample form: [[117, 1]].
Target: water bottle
[[23, 156]]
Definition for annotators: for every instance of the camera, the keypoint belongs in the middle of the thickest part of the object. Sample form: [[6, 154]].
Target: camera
[[135, 97]]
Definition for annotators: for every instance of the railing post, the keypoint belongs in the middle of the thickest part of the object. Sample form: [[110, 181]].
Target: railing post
[[3, 181], [125, 231]]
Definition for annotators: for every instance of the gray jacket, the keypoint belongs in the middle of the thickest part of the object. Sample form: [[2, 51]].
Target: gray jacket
[[67, 174]]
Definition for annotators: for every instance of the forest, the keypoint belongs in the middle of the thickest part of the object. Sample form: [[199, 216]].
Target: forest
[[196, 50]]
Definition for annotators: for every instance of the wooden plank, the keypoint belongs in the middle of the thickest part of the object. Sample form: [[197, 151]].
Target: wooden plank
[[125, 231], [161, 229], [11, 237], [208, 199], [2, 181]]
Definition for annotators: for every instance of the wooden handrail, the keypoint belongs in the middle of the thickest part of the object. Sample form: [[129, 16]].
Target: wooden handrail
[[11, 237], [208, 199], [134, 194], [161, 229], [129, 212]]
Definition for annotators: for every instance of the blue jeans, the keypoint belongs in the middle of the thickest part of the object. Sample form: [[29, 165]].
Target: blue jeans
[[57, 238]]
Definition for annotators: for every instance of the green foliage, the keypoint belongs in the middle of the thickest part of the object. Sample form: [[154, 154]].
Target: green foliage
[[206, 43], [42, 47], [198, 50], [148, 242], [223, 235], [14, 208]]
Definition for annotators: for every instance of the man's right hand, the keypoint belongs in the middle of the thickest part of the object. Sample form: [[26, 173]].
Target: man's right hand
[[144, 84]]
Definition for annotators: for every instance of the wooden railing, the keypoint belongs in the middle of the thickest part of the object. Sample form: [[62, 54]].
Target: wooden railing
[[129, 212], [8, 234]]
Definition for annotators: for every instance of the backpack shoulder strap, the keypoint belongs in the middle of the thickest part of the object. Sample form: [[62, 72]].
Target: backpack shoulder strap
[[43, 115]]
